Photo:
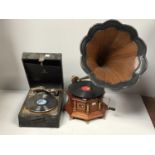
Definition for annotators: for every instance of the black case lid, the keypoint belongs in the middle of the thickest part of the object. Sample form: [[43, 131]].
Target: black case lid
[[43, 69]]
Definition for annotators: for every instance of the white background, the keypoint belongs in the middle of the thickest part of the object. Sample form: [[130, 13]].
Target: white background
[[75, 145], [64, 36]]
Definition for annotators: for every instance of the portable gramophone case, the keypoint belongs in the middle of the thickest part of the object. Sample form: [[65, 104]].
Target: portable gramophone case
[[43, 104]]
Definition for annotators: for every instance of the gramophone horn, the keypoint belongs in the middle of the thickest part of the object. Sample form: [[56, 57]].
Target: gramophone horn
[[113, 55]]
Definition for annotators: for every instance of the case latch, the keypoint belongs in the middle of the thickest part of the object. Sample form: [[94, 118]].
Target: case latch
[[41, 59]]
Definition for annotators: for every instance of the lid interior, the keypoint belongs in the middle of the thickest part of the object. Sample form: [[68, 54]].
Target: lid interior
[[47, 74]]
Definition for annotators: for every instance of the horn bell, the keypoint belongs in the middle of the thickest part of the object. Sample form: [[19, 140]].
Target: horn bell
[[113, 55]]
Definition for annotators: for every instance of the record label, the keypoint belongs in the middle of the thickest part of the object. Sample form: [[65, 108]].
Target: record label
[[41, 102], [85, 88]]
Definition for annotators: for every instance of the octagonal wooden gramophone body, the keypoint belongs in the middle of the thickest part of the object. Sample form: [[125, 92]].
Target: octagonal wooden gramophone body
[[86, 108]]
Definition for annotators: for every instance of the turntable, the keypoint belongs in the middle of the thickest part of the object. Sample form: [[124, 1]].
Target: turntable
[[113, 56], [43, 104]]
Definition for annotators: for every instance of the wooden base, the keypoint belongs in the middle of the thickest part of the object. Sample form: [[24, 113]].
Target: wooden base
[[84, 116]]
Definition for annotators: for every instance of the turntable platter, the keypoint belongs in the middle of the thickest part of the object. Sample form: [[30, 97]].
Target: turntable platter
[[42, 102], [85, 89]]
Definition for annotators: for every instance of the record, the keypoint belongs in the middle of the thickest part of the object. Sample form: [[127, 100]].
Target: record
[[42, 102], [86, 90]]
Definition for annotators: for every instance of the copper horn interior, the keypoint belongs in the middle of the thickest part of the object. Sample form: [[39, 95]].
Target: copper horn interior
[[111, 55]]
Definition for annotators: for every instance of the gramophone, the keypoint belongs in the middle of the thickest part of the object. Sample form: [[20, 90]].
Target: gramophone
[[114, 57], [43, 104]]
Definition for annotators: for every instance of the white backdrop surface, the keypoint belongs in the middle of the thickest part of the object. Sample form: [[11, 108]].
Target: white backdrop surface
[[61, 36], [130, 117]]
